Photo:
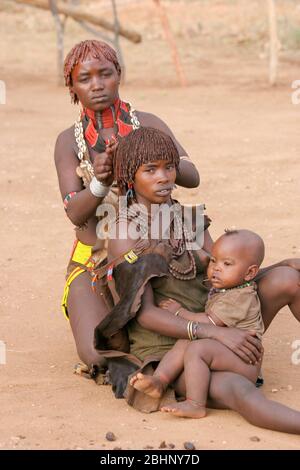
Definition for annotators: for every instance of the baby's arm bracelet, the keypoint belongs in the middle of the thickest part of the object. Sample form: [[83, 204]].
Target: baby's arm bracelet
[[178, 311], [211, 320]]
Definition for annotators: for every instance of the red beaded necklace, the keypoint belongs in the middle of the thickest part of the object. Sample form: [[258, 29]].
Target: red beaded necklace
[[118, 117], [103, 119]]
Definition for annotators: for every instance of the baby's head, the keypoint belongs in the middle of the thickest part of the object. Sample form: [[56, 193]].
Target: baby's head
[[235, 258]]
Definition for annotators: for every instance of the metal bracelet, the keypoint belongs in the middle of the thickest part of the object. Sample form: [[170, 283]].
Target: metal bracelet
[[178, 311], [211, 320]]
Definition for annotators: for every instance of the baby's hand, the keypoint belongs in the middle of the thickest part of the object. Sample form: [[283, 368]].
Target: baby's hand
[[170, 304]]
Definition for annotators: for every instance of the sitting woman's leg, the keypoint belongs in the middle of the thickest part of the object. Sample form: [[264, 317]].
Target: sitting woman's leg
[[229, 390], [86, 309], [277, 288]]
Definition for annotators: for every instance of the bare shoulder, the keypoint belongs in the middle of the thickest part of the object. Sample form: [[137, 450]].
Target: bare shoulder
[[67, 135], [66, 162], [65, 143], [151, 120]]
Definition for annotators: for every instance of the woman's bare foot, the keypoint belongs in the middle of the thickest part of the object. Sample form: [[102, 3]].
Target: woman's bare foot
[[149, 384], [186, 409]]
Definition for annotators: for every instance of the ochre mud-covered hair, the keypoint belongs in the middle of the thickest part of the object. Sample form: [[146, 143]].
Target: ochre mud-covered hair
[[142, 146], [79, 53]]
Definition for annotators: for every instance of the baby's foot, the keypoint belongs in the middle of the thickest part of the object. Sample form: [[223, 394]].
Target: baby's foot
[[186, 409], [148, 384]]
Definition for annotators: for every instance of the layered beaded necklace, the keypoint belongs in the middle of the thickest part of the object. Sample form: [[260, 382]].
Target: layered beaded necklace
[[143, 221]]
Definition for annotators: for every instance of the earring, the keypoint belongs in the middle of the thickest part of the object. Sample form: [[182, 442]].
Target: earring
[[129, 193]]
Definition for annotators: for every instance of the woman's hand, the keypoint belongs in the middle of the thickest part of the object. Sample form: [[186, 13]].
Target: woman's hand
[[103, 163], [111, 146], [242, 342], [172, 305]]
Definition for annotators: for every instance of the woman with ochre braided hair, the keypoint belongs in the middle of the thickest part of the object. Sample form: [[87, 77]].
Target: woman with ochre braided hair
[[147, 266], [83, 158], [84, 163]]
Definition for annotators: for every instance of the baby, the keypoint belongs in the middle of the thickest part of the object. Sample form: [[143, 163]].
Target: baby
[[232, 302]]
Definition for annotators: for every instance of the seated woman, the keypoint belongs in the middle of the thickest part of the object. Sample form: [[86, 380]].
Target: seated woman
[[83, 160], [143, 270]]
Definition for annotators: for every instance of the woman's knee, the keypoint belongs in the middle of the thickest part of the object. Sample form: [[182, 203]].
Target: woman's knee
[[87, 353], [230, 390], [84, 336], [290, 281], [282, 281], [241, 388]]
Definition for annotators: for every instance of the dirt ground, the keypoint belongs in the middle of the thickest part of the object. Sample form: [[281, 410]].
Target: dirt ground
[[244, 138]]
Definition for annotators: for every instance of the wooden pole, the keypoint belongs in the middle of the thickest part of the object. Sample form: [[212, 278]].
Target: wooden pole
[[60, 27], [273, 65], [79, 13], [170, 39], [117, 42]]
